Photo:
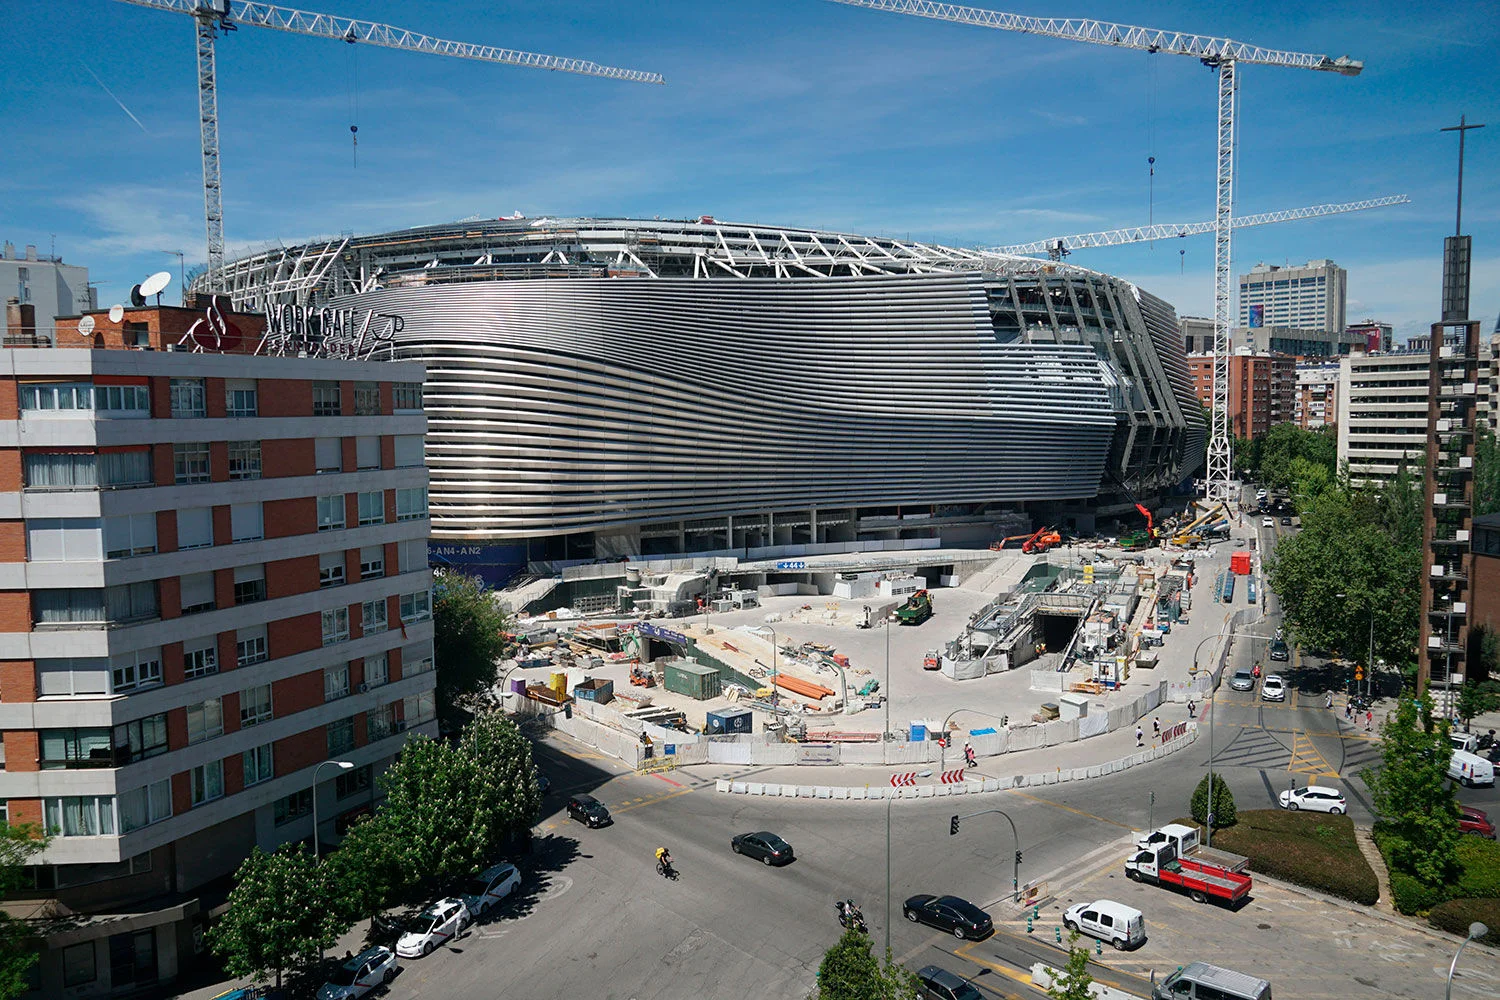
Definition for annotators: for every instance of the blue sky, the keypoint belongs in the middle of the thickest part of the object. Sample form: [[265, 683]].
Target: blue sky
[[795, 112]]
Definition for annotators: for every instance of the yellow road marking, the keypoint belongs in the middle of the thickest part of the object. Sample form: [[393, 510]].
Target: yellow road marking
[[651, 802], [966, 953], [1307, 760], [1076, 812]]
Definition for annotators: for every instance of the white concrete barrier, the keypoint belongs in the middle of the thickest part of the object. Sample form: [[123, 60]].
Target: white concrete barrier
[[755, 788]]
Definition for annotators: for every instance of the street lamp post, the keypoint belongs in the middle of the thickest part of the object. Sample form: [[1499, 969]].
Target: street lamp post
[[774, 699], [342, 765], [1476, 930], [884, 740]]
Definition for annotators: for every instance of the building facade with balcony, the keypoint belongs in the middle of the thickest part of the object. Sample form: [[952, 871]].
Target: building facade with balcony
[[213, 577], [1317, 400], [1382, 408], [1262, 390]]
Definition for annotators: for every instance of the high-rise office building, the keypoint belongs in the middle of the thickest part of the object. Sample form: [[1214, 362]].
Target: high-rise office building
[[1310, 297], [1382, 414]]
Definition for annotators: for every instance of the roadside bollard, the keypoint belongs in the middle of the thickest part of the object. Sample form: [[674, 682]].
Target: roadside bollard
[[1036, 911], [1058, 932], [1099, 948], [1028, 923]]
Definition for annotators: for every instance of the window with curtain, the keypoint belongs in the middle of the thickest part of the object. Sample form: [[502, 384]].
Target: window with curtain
[[373, 617], [80, 964], [335, 682], [331, 569], [372, 507], [200, 657], [73, 749], [195, 527], [68, 607], [329, 454], [81, 816], [132, 601], [187, 397], [72, 677], [408, 450], [367, 452], [411, 504], [141, 739], [408, 396], [419, 708], [416, 607], [292, 807], [381, 722], [244, 460], [205, 720], [371, 561], [60, 471], [129, 535], [242, 397], [416, 658], [190, 463], [198, 593], [326, 399], [207, 782], [377, 671], [63, 539], [246, 522], [255, 705], [250, 645], [135, 670], [124, 469], [331, 512], [366, 399], [145, 805], [335, 625], [258, 765], [54, 396], [122, 400]]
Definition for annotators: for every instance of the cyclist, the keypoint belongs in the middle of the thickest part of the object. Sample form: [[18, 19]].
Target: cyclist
[[663, 860]]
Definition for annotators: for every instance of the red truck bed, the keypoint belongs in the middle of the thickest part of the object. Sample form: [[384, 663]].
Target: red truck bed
[[1206, 878]]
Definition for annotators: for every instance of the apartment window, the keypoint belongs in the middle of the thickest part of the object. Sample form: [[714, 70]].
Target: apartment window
[[249, 584], [200, 657], [408, 396], [416, 659], [63, 539], [411, 554], [416, 607], [68, 607], [125, 469], [131, 601], [198, 593], [129, 535], [411, 503], [331, 512], [81, 816], [331, 569], [377, 671], [57, 396], [419, 708], [244, 460], [145, 805], [258, 766], [133, 671], [190, 463], [366, 399], [335, 682], [371, 561], [141, 739], [241, 397], [208, 782], [335, 625], [246, 522], [250, 645], [293, 807], [195, 527], [72, 749], [367, 452], [329, 454], [340, 737], [373, 616], [205, 720], [255, 705], [60, 471], [122, 400], [372, 507], [348, 783], [187, 397], [80, 963], [326, 399], [72, 677], [381, 721], [408, 450]]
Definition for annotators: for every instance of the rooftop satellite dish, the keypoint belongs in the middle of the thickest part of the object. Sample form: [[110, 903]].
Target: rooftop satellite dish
[[86, 325], [136, 298], [156, 283], [116, 313]]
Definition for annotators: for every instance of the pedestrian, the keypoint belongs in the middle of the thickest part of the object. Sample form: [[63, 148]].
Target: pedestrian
[[1192, 709], [1155, 728], [1369, 718], [1140, 735], [969, 755], [1348, 711], [1329, 703]]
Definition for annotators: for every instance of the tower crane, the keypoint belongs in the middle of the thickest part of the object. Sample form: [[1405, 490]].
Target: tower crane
[[1223, 55], [215, 16], [1058, 247]]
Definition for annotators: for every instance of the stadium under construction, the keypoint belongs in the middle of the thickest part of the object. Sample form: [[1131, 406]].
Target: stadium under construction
[[606, 388]]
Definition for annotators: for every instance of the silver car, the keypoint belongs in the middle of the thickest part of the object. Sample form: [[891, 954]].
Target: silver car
[[1243, 680]]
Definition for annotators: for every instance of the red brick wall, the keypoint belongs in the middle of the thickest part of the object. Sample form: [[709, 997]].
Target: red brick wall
[[224, 588], [161, 461], [301, 750], [166, 531], [1485, 595], [15, 611], [292, 457], [171, 663], [22, 750], [10, 406], [166, 325], [290, 517], [290, 636], [298, 693], [223, 526], [348, 449], [286, 577], [17, 680], [182, 793], [169, 596], [215, 403], [12, 541], [285, 397], [218, 461], [228, 657], [10, 470]]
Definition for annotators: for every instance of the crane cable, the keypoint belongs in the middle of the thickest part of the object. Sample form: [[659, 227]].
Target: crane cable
[[1151, 89], [354, 95]]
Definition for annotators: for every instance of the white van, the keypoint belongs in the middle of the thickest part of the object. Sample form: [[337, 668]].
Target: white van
[[1469, 769], [1120, 925], [1201, 981]]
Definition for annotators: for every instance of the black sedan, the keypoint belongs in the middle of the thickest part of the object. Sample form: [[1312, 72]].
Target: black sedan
[[949, 913], [763, 845]]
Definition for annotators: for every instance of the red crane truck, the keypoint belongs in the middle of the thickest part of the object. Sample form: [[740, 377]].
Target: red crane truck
[[1201, 881]]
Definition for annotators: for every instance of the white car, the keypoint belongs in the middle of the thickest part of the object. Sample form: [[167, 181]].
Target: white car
[[1268, 522], [361, 974], [1273, 688], [489, 887], [433, 927], [1314, 798]]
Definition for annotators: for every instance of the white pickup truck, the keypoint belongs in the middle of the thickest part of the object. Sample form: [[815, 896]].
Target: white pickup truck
[[1185, 840]]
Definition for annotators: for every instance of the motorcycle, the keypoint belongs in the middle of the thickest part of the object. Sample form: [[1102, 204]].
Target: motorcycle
[[850, 916]]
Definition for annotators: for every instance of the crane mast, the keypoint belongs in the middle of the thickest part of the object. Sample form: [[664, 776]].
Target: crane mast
[[214, 16], [1221, 55]]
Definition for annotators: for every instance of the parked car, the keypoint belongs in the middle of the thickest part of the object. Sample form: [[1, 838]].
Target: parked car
[[1243, 680], [1122, 926], [360, 974], [1280, 651], [765, 846], [934, 983], [543, 783], [1268, 522], [433, 927], [1475, 821], [1314, 798], [588, 810], [949, 913], [1286, 520], [1273, 688], [489, 887]]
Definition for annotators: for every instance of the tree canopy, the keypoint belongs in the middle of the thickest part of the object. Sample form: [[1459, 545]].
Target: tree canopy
[[469, 640], [1073, 980], [1411, 793], [850, 971], [282, 912], [19, 948]]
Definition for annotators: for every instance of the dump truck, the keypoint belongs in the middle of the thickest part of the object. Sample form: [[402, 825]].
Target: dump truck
[[1189, 845], [1161, 865], [916, 610]]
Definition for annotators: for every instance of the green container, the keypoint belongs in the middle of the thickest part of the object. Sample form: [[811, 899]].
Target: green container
[[692, 679]]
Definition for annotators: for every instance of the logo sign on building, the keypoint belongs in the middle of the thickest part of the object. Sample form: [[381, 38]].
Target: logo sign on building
[[212, 332], [347, 334], [664, 634], [792, 564], [1257, 315]]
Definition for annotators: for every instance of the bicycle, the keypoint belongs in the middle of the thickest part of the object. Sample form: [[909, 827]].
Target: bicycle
[[665, 870]]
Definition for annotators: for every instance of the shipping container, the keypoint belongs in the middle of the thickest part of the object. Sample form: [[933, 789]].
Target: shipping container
[[692, 679], [729, 720]]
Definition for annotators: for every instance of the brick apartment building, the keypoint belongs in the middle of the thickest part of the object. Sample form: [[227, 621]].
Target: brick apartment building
[[213, 577], [1262, 390], [1317, 399]]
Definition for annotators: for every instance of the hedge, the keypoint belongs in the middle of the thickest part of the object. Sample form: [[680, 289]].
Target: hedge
[[1478, 876], [1309, 849], [1456, 915]]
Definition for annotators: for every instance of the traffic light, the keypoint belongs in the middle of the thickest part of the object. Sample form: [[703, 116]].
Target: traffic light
[[1018, 857], [953, 827]]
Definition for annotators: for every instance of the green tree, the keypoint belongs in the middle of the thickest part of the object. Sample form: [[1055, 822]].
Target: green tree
[[513, 801], [1411, 793], [1073, 982], [282, 912], [1477, 697], [469, 640], [1310, 481], [1224, 810], [850, 971], [19, 948], [1486, 472], [365, 873]]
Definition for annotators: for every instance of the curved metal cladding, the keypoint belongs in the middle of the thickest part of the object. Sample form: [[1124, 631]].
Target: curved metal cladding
[[569, 405]]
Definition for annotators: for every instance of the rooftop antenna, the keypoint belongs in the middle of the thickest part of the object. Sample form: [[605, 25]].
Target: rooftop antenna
[[181, 274]]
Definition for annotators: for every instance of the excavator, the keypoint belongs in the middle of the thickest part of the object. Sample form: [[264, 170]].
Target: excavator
[[1137, 540], [1039, 540], [1213, 517]]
